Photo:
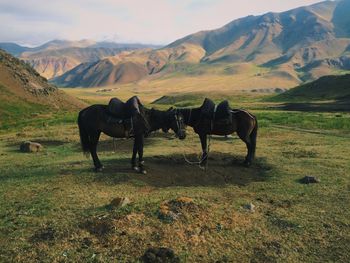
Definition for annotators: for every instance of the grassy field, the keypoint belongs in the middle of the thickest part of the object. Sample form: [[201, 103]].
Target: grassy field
[[54, 208]]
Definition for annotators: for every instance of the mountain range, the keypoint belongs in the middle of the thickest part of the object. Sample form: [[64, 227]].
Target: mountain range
[[59, 56], [276, 50]]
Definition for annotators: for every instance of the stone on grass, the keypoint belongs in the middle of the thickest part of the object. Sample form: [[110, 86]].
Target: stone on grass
[[250, 207], [119, 202], [29, 147], [309, 180]]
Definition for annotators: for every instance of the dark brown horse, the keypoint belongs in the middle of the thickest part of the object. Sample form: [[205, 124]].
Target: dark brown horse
[[95, 119], [242, 122]]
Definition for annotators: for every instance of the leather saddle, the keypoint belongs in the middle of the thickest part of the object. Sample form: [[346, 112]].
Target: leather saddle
[[215, 112], [129, 114], [211, 113]]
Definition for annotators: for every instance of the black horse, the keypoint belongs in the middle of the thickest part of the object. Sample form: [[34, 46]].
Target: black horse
[[241, 121], [96, 119]]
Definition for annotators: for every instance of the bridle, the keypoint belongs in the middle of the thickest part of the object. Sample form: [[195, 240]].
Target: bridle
[[177, 119]]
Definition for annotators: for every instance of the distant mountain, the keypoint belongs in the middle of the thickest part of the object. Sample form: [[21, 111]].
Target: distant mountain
[[128, 67], [13, 48], [58, 56], [294, 46], [23, 90]]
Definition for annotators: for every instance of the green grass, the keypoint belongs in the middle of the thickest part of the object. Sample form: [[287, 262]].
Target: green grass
[[313, 121], [56, 207], [19, 114]]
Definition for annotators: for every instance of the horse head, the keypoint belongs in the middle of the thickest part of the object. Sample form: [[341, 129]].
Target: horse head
[[175, 121]]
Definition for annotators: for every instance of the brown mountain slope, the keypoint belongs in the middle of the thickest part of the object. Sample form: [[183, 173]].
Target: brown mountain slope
[[58, 56], [55, 62], [130, 66], [20, 85]]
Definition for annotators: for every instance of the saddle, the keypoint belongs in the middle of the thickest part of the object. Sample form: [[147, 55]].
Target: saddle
[[215, 113], [129, 114]]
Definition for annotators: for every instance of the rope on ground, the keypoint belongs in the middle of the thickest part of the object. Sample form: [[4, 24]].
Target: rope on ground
[[201, 158]]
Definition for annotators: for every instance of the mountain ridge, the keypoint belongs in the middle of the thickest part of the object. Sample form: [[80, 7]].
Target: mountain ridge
[[294, 46], [300, 44], [56, 57]]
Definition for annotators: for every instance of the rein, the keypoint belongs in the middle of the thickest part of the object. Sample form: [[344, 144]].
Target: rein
[[200, 160]]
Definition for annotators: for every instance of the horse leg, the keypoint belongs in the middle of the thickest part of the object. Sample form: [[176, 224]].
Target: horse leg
[[244, 136], [203, 138], [134, 153], [140, 153], [93, 150]]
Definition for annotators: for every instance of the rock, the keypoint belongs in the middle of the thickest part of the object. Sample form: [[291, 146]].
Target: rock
[[98, 226], [250, 207], [119, 202], [162, 254], [309, 180], [30, 147]]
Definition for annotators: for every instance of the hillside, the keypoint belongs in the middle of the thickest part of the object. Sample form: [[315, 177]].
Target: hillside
[[56, 57], [299, 45], [23, 91], [129, 66], [325, 88]]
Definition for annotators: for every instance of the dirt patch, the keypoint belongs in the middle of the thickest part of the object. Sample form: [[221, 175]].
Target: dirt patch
[[45, 234], [98, 226], [222, 169], [170, 211], [162, 254]]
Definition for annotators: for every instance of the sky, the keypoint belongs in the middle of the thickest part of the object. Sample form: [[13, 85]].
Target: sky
[[33, 22]]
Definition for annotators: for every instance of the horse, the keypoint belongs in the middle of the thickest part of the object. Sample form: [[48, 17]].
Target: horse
[[94, 120], [242, 122]]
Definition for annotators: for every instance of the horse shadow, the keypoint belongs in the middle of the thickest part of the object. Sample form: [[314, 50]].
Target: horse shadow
[[172, 170]]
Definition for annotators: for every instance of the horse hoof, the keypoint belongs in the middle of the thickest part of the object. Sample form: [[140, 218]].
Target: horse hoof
[[247, 163], [135, 168], [144, 172], [98, 170]]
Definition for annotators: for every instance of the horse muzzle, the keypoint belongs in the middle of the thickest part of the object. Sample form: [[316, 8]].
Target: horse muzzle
[[181, 135]]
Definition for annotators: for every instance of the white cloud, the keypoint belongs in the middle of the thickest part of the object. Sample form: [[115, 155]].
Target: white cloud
[[155, 21]]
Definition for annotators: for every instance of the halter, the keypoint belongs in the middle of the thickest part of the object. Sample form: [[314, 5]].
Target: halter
[[177, 120]]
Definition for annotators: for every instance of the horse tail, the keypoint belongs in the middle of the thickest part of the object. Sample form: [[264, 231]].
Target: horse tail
[[253, 136], [84, 136]]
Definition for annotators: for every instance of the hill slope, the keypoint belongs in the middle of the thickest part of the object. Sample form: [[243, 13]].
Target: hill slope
[[130, 66], [294, 46], [325, 88], [23, 90]]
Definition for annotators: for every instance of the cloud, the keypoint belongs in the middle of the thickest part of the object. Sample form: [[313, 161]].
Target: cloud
[[156, 21]]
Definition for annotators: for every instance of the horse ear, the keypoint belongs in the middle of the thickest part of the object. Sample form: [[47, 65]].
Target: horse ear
[[170, 109]]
